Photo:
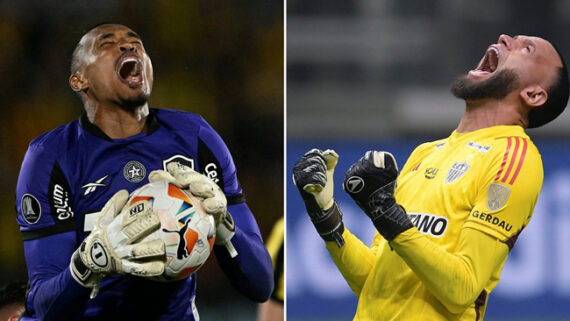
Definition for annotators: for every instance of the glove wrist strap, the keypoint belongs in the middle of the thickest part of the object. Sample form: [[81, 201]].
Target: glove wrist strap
[[391, 221], [329, 225], [80, 272]]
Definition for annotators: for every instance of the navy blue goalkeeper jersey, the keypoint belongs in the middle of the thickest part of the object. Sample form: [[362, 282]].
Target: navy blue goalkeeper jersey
[[67, 176]]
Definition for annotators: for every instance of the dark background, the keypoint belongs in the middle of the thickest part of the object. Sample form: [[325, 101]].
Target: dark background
[[220, 59]]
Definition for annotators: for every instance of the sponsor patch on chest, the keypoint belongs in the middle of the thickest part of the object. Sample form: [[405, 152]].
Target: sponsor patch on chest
[[482, 149], [430, 224]]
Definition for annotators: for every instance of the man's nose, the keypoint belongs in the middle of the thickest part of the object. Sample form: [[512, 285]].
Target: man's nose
[[124, 46], [506, 40]]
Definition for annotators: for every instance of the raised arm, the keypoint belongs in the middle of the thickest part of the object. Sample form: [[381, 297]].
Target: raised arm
[[313, 176]]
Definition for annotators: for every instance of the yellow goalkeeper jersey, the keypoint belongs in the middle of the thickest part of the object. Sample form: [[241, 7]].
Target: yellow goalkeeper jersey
[[469, 196]]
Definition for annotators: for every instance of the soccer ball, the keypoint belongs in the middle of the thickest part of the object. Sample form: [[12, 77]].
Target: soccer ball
[[187, 231]]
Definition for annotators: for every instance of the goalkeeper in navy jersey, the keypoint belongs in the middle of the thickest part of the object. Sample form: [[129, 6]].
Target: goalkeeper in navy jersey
[[76, 178]]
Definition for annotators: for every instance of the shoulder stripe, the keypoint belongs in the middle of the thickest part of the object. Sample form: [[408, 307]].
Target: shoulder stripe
[[515, 156], [521, 161], [513, 160], [509, 141]]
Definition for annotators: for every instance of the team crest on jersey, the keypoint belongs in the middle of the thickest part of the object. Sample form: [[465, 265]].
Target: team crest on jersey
[[497, 196], [134, 171], [178, 159], [31, 209], [456, 171]]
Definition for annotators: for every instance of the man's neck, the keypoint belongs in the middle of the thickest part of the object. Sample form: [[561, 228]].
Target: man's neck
[[489, 112], [116, 122]]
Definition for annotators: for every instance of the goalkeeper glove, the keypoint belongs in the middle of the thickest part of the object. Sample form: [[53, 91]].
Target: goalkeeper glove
[[214, 201], [112, 245], [313, 176], [371, 182]]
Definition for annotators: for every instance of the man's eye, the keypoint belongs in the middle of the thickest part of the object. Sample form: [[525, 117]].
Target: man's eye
[[106, 43]]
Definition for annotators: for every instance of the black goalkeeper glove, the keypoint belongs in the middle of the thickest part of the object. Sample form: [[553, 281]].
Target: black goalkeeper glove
[[371, 182], [313, 176]]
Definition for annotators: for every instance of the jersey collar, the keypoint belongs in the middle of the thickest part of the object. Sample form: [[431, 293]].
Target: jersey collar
[[151, 122]]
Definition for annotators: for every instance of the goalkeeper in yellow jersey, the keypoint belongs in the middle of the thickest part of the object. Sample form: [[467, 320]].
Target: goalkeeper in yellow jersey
[[447, 221]]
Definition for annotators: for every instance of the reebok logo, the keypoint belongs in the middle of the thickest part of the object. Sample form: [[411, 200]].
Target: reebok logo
[[91, 187]]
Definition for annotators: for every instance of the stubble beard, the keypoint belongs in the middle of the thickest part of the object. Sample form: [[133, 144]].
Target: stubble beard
[[498, 86], [132, 103]]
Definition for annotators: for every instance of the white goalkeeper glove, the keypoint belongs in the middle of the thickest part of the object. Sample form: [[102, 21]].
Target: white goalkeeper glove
[[112, 245], [213, 199]]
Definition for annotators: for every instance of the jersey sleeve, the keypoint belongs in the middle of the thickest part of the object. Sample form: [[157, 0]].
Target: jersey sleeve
[[47, 221], [251, 271], [354, 259], [508, 191], [43, 196], [216, 162], [455, 279]]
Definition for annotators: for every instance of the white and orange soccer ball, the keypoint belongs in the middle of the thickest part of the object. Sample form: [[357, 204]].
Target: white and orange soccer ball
[[187, 231]]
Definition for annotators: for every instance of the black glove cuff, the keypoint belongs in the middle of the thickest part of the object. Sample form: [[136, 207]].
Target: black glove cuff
[[391, 221], [312, 207], [329, 224], [79, 269]]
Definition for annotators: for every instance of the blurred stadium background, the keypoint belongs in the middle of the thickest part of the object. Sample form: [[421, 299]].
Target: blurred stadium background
[[375, 74], [220, 59]]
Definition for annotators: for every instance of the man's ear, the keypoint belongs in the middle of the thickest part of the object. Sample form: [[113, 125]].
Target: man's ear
[[78, 82], [534, 95]]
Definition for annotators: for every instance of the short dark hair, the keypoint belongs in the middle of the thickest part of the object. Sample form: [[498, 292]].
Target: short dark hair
[[13, 293], [556, 101]]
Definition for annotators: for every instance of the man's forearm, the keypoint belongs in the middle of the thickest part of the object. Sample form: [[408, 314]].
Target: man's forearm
[[251, 271], [456, 279], [59, 298], [54, 294], [354, 260]]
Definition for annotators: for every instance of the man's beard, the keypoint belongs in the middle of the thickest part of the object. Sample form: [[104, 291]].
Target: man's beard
[[498, 86], [132, 103]]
